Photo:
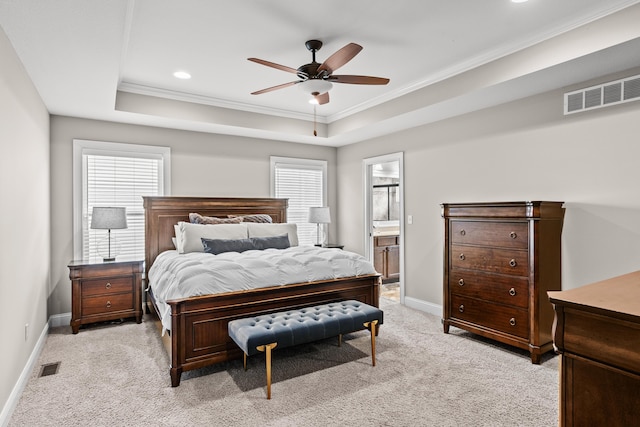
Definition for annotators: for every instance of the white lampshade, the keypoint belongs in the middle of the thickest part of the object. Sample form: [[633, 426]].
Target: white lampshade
[[108, 218], [320, 215]]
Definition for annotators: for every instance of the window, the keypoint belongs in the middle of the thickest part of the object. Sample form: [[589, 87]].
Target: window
[[304, 183], [114, 174]]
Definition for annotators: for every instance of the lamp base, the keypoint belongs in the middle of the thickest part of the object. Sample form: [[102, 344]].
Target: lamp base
[[108, 248]]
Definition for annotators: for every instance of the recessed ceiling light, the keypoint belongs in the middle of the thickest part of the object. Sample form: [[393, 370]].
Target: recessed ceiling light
[[519, 1], [182, 75]]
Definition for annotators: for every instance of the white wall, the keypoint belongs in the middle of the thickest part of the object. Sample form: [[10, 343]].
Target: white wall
[[525, 150], [24, 218], [201, 165]]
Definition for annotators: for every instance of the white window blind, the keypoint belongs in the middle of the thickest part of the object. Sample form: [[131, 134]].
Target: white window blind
[[303, 182], [113, 177]]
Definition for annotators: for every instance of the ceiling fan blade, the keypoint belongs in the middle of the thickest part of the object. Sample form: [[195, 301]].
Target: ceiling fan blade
[[358, 80], [340, 58], [323, 98], [269, 89], [274, 65]]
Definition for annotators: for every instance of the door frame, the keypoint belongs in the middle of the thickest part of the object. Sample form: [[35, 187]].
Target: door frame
[[367, 170]]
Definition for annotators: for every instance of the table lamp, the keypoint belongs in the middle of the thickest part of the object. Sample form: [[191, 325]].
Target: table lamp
[[108, 218], [320, 216]]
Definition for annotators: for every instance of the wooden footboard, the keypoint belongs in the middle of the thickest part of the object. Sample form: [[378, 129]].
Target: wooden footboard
[[199, 334]]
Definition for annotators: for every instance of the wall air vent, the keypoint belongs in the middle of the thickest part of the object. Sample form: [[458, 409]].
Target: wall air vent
[[603, 95]]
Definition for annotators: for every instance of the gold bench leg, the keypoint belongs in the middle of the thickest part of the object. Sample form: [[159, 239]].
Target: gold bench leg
[[244, 359], [267, 349], [339, 340], [372, 327]]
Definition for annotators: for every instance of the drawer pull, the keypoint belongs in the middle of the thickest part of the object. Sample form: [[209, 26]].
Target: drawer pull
[[462, 257], [512, 321], [108, 285], [462, 232], [513, 235], [461, 308], [461, 282], [512, 292], [513, 263], [108, 304]]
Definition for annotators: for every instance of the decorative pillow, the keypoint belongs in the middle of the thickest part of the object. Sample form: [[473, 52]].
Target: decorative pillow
[[189, 235], [275, 229], [196, 218], [261, 218], [273, 242], [218, 246]]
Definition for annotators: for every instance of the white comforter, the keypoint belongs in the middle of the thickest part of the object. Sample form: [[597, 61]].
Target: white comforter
[[174, 276]]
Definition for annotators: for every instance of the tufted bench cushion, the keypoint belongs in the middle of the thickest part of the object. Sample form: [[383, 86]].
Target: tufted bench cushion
[[303, 325]]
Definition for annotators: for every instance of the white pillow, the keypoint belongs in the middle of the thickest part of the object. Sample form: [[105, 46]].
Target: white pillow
[[188, 235], [276, 229]]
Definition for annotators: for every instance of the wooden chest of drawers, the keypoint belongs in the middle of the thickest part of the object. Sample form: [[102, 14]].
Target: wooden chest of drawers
[[597, 332], [500, 259], [103, 291]]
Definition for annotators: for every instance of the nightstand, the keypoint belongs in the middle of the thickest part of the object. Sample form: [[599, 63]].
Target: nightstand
[[103, 291]]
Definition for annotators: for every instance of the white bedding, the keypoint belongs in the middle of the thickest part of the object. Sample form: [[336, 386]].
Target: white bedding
[[174, 276]]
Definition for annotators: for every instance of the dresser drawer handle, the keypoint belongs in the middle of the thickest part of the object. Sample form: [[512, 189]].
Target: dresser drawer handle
[[462, 232], [512, 292], [513, 235], [108, 285], [461, 308], [512, 321], [461, 282], [462, 257], [108, 304], [513, 263]]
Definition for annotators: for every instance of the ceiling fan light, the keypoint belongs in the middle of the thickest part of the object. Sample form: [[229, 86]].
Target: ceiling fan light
[[315, 85]]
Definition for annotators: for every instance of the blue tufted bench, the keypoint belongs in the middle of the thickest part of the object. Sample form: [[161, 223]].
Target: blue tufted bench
[[303, 325]]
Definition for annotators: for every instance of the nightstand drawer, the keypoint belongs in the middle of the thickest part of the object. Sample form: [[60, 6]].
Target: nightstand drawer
[[105, 286], [107, 304]]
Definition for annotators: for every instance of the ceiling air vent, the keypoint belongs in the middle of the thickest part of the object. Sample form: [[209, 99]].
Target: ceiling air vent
[[603, 95]]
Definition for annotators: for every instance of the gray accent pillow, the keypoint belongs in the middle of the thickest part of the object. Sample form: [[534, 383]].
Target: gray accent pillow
[[218, 246], [272, 242]]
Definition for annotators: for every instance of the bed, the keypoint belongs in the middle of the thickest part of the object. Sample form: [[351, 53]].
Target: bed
[[198, 334]]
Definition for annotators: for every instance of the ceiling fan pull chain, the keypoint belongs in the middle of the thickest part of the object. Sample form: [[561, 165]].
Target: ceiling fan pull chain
[[315, 132]]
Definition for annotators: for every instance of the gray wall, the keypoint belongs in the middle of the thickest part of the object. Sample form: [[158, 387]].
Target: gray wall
[[201, 165], [524, 150], [24, 224]]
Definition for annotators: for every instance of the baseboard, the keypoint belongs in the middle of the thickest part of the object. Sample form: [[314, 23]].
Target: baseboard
[[425, 306], [14, 397], [59, 320]]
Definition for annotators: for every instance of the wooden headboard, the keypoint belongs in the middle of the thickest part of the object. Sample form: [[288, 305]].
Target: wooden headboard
[[162, 213]]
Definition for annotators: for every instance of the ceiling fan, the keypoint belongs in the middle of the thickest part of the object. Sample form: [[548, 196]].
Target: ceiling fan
[[317, 79]]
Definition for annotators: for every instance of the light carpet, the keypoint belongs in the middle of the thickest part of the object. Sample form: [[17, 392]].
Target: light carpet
[[118, 375]]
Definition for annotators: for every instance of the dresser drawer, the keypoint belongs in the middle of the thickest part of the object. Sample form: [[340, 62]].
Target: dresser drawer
[[508, 319], [491, 287], [491, 260], [107, 286], [107, 304], [489, 233]]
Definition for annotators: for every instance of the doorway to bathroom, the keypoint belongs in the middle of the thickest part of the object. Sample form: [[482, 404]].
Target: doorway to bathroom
[[384, 225]]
